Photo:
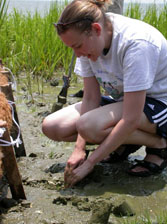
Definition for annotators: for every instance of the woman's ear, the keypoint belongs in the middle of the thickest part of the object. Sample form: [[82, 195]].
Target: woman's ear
[[96, 27]]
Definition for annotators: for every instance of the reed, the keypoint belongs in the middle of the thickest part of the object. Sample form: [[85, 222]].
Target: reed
[[134, 10], [152, 14], [3, 11], [30, 43]]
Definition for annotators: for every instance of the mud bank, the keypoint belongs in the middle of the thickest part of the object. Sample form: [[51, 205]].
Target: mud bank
[[107, 195]]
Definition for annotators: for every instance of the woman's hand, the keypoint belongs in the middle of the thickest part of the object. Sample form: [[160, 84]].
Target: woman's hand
[[72, 176], [77, 168], [76, 159]]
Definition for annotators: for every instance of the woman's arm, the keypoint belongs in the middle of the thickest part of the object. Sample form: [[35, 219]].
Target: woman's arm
[[91, 100], [133, 105], [132, 111]]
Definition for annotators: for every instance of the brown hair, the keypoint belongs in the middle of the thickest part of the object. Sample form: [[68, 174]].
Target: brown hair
[[80, 14]]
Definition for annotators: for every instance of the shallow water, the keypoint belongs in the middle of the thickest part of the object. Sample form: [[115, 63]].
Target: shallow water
[[43, 6]]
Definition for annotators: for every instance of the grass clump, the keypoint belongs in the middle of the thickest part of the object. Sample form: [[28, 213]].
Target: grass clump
[[148, 218]]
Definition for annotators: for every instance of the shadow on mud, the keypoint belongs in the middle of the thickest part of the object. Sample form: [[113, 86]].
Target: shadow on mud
[[113, 179]]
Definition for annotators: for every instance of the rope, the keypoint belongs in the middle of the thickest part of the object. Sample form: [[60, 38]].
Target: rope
[[14, 85], [17, 141]]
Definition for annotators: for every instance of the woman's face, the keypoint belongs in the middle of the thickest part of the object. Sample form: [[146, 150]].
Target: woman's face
[[89, 45]]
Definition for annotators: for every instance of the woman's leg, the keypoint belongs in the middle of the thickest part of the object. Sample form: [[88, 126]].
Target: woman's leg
[[61, 125], [95, 126]]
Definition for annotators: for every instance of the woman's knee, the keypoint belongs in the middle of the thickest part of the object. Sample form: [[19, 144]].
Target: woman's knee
[[46, 127], [86, 129], [51, 129]]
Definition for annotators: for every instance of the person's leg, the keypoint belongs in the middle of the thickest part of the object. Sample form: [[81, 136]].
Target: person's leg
[[156, 156], [66, 123], [95, 130], [61, 125]]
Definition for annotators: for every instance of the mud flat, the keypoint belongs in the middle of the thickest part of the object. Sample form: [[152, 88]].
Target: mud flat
[[107, 195]]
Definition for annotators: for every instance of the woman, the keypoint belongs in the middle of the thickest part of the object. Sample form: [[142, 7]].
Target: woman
[[128, 58], [116, 7]]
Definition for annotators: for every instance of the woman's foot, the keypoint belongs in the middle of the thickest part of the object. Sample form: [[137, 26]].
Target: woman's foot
[[154, 162]]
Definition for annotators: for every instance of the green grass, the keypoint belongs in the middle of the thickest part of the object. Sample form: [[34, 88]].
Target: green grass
[[3, 11], [152, 15], [146, 219], [29, 43]]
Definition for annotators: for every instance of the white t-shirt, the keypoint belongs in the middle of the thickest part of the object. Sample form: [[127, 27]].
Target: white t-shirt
[[136, 60]]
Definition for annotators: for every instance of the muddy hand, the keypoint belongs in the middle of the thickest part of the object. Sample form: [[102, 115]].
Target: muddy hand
[[67, 175], [76, 159], [72, 176]]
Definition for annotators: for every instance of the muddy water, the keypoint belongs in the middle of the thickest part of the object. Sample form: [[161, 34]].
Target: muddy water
[[108, 185]]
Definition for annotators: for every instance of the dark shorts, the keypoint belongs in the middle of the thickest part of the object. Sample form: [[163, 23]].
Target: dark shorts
[[155, 110]]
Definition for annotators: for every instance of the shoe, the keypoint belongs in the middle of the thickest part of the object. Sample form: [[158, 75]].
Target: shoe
[[152, 168], [114, 157], [78, 94]]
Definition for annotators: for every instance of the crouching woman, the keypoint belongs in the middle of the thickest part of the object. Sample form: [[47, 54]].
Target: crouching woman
[[128, 58]]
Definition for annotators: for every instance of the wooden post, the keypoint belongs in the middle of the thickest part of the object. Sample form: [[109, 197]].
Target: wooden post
[[20, 150], [11, 169]]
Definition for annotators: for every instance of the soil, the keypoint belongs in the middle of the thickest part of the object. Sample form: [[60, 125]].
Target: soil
[[107, 195]]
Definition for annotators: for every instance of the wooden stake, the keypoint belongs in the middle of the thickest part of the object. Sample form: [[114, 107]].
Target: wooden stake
[[11, 169], [7, 90]]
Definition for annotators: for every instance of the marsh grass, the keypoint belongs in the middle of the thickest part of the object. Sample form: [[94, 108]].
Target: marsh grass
[[3, 11], [148, 218], [29, 43], [152, 14]]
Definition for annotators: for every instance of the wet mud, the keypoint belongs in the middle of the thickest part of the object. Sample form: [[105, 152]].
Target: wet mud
[[107, 195]]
